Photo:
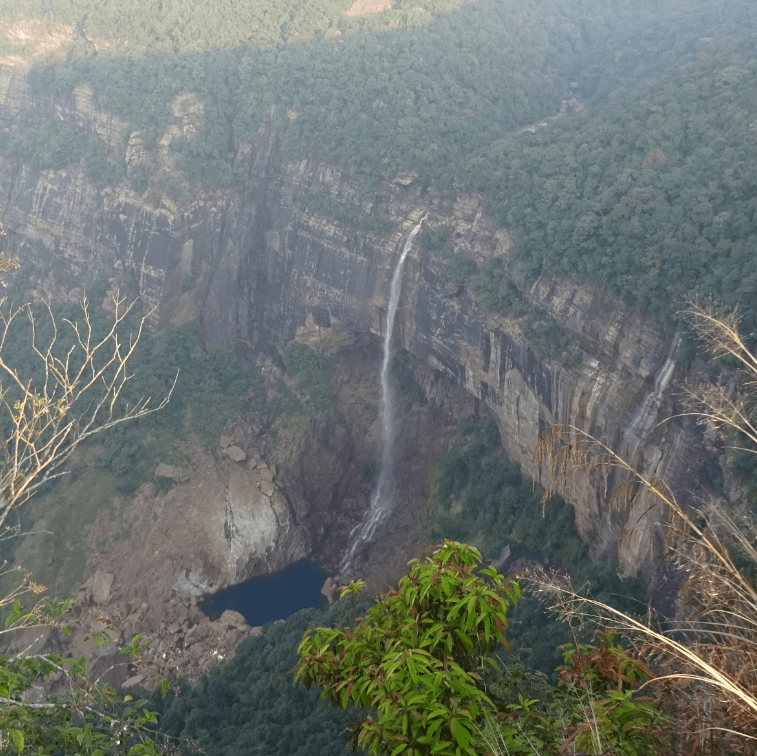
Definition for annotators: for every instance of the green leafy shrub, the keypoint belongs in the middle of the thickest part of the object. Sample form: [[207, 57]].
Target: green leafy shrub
[[98, 167], [285, 403], [172, 188], [139, 179], [81, 719], [596, 707], [414, 658], [320, 200]]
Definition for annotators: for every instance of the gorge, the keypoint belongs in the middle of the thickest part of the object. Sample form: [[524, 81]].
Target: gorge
[[394, 265], [258, 269]]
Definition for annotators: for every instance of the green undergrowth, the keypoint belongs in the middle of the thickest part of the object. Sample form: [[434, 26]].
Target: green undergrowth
[[312, 373], [57, 520], [479, 498], [56, 145], [212, 385], [320, 200]]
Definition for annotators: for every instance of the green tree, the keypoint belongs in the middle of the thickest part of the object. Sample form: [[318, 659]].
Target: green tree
[[414, 663], [86, 718]]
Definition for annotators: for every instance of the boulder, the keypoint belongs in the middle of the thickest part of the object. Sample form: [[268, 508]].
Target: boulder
[[330, 590], [101, 583], [38, 639], [134, 680], [233, 619], [267, 488], [235, 453], [197, 633], [196, 615], [176, 474]]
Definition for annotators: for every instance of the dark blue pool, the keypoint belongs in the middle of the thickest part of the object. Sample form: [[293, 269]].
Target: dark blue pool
[[270, 597]]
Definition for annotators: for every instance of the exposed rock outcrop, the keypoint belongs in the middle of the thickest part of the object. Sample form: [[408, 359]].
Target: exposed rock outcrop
[[264, 271], [217, 528]]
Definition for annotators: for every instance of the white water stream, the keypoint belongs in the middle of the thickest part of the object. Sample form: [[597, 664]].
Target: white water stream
[[382, 501]]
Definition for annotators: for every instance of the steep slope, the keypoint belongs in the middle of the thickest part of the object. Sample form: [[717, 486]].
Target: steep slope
[[259, 269]]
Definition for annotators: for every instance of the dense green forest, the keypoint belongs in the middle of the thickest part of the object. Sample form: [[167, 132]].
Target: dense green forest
[[376, 101], [647, 191], [250, 704], [122, 28], [652, 195]]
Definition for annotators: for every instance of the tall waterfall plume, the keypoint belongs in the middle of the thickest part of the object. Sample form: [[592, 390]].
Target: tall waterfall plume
[[382, 500]]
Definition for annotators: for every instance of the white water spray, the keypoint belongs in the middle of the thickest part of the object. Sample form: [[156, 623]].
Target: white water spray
[[382, 501]]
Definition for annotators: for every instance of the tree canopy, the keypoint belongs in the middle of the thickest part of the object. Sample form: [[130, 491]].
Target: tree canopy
[[647, 190]]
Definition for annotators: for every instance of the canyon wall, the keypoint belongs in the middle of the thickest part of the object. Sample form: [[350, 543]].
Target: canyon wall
[[258, 270]]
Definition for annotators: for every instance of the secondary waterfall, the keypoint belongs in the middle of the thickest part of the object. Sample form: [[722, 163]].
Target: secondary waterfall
[[382, 500]]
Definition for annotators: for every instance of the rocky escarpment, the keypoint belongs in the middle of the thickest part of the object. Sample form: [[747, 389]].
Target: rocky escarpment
[[258, 270]]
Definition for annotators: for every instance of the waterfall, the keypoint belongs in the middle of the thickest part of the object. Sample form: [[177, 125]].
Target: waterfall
[[382, 500], [647, 413]]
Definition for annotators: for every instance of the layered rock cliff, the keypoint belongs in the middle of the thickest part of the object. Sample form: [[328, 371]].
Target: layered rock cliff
[[258, 270]]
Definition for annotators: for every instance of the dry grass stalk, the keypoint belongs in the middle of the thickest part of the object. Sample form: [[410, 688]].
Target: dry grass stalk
[[709, 660], [717, 407]]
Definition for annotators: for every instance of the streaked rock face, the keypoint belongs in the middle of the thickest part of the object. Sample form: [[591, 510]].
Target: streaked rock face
[[258, 270]]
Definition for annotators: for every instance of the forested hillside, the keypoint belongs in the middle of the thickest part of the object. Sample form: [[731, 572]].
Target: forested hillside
[[652, 195], [122, 28], [658, 166]]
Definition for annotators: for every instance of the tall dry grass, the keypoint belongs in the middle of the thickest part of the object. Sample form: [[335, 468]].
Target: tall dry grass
[[707, 659]]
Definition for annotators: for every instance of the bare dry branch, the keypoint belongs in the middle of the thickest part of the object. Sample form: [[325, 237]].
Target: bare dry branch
[[76, 399], [7, 262]]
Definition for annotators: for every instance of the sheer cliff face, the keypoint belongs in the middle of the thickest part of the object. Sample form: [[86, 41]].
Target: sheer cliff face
[[259, 270]]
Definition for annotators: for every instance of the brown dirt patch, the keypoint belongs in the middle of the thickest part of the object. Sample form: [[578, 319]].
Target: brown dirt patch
[[364, 7], [37, 37]]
